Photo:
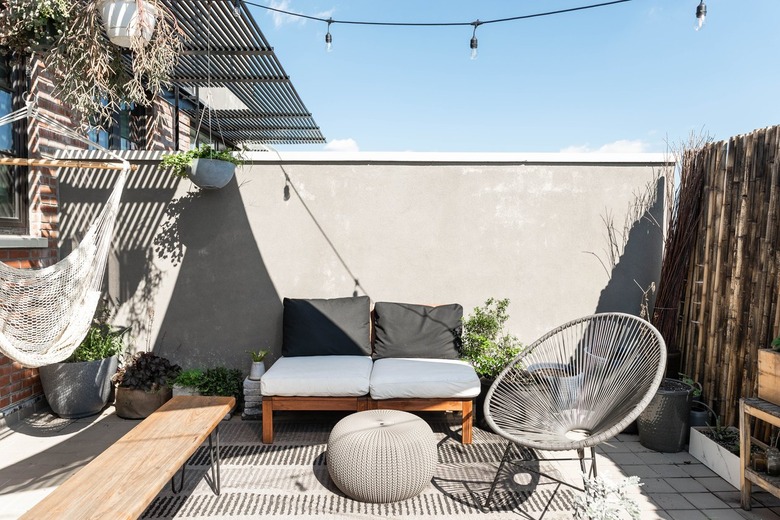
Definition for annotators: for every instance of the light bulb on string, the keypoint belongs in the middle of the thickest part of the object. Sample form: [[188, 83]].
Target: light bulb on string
[[701, 14], [236, 9], [329, 38], [473, 44]]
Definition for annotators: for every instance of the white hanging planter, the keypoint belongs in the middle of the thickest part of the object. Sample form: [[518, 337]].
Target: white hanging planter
[[211, 174], [122, 20]]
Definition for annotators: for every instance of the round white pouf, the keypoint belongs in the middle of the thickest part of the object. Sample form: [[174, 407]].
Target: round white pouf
[[381, 455]]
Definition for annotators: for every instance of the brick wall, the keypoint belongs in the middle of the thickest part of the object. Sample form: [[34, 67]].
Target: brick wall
[[20, 385]]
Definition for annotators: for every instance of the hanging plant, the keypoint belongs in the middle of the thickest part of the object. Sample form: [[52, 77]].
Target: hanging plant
[[93, 76], [206, 167]]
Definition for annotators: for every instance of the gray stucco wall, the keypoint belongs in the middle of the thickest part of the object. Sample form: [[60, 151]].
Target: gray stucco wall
[[200, 276]]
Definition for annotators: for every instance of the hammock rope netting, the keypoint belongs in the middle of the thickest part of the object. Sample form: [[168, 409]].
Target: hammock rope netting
[[45, 313]]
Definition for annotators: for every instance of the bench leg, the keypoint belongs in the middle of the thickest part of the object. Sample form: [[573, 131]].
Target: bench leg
[[467, 422], [181, 483], [215, 477], [268, 420]]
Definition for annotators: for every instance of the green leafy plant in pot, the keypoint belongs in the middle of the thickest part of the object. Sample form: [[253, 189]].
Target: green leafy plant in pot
[[257, 368], [188, 382], [81, 385], [205, 166], [143, 384], [487, 345], [222, 381]]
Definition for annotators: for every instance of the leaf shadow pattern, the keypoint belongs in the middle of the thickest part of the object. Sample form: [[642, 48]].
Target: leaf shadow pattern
[[167, 243]]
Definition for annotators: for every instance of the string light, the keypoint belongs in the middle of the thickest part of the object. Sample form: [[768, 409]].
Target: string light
[[328, 37], [472, 44], [237, 9], [701, 14]]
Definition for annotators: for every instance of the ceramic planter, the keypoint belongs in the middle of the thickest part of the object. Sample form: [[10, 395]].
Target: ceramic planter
[[122, 20], [714, 456], [211, 174], [76, 390], [184, 390], [132, 403], [663, 424], [257, 370]]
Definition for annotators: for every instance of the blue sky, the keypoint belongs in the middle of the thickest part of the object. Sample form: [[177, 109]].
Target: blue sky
[[631, 77]]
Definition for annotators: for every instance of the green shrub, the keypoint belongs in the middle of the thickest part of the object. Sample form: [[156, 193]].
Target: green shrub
[[101, 341], [222, 381], [485, 344], [192, 377]]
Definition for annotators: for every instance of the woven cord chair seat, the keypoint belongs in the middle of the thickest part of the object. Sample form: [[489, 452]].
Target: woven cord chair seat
[[578, 385], [381, 455]]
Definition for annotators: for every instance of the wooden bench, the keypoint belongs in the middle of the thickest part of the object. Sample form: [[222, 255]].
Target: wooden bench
[[124, 479], [357, 404]]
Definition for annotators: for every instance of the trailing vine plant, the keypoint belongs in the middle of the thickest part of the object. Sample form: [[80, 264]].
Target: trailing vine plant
[[93, 76]]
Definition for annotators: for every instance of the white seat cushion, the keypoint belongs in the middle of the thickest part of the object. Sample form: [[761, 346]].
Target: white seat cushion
[[394, 378], [320, 376]]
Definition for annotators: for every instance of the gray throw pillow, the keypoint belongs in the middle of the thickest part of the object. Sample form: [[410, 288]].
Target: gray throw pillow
[[321, 327], [417, 331]]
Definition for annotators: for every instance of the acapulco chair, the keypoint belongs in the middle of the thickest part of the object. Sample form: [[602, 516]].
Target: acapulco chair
[[577, 386]]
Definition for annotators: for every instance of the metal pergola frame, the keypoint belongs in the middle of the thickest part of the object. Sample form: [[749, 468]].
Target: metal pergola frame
[[224, 48]]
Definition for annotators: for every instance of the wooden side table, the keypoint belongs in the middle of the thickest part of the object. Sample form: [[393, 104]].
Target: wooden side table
[[764, 411]]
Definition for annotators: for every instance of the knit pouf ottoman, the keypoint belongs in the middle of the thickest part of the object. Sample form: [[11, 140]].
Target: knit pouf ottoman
[[381, 455]]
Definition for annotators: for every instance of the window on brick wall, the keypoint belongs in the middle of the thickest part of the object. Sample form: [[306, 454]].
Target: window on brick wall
[[13, 179], [125, 130]]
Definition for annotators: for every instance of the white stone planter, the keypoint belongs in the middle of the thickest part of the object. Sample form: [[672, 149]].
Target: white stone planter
[[257, 370], [714, 456], [122, 21]]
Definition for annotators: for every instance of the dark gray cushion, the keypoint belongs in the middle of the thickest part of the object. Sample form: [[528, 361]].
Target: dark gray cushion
[[319, 327], [405, 330]]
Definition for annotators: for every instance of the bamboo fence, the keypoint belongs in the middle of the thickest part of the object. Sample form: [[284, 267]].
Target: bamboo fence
[[727, 301]]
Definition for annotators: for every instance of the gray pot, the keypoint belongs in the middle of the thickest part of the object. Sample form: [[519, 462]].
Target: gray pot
[[132, 403], [76, 390], [211, 174], [663, 425]]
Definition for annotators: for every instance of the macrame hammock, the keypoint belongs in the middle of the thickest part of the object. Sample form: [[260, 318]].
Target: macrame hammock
[[46, 313]]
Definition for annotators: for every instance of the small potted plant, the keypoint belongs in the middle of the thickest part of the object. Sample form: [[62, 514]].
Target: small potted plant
[[222, 381], [143, 384], [257, 369], [487, 346], [80, 386], [205, 166], [188, 382]]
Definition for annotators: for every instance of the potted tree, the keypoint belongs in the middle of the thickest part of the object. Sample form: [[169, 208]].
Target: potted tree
[[222, 381], [143, 384], [205, 166], [487, 346], [81, 385]]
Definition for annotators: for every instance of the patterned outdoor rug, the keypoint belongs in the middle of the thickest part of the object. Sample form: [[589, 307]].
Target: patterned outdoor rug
[[289, 479]]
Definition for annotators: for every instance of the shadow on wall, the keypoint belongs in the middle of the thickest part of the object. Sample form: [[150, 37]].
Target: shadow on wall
[[639, 265], [223, 303]]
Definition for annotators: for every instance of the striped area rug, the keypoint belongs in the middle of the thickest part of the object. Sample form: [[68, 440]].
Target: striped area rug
[[289, 479]]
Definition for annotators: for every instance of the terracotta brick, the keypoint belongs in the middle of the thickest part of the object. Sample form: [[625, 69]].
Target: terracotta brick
[[5, 401]]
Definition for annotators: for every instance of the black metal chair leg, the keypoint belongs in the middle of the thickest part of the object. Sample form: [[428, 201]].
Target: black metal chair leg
[[495, 480]]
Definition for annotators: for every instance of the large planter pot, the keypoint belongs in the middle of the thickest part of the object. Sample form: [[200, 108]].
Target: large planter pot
[[132, 403], [76, 390], [211, 174], [479, 402], [663, 424], [714, 456], [122, 20]]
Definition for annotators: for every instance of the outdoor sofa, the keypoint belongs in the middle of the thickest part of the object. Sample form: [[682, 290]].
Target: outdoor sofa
[[338, 354]]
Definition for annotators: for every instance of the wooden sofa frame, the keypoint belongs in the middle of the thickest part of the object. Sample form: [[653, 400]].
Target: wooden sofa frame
[[357, 404]]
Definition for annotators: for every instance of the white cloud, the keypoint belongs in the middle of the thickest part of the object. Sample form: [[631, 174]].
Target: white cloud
[[342, 145], [620, 146], [281, 18]]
